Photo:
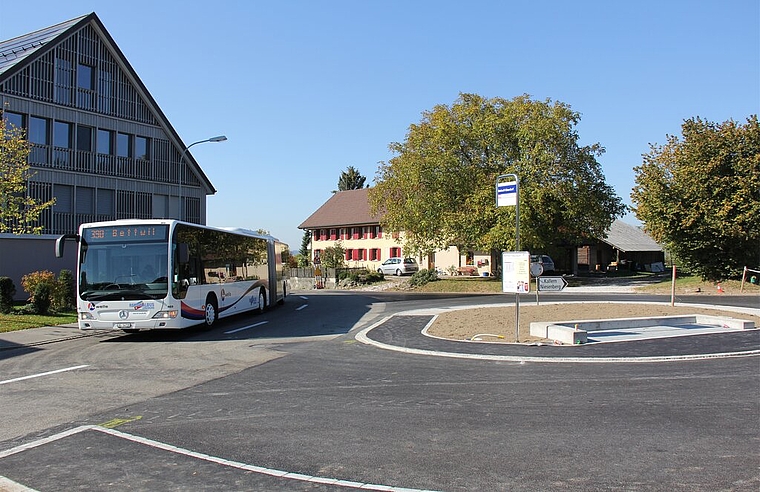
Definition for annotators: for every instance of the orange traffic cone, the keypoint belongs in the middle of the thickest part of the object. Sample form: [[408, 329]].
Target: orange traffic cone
[[720, 289]]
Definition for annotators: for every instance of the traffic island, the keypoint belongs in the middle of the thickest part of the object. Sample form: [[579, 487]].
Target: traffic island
[[585, 331]]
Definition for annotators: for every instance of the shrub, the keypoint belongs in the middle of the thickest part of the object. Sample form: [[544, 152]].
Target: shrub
[[7, 291], [30, 281], [423, 277], [360, 277], [41, 298], [64, 296]]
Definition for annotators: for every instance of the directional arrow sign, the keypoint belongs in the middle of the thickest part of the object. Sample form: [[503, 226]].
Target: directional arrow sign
[[551, 284]]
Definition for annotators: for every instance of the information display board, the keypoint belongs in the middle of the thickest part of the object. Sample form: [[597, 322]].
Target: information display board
[[515, 272]]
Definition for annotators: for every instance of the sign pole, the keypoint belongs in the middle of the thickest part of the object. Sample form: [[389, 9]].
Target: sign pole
[[508, 194]]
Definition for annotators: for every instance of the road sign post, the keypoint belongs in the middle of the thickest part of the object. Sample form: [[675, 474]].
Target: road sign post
[[508, 195]]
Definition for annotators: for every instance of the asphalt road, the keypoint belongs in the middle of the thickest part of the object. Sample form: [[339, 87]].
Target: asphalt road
[[296, 403]]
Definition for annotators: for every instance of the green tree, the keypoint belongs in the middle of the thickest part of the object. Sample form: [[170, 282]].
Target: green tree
[[304, 252], [440, 186], [333, 256], [699, 196], [19, 213], [351, 179]]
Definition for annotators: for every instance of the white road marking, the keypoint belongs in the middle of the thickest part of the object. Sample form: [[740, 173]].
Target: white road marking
[[246, 327], [8, 485], [301, 307], [304, 298], [212, 459], [43, 374]]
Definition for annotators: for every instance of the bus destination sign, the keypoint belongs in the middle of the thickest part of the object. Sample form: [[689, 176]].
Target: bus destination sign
[[126, 233]]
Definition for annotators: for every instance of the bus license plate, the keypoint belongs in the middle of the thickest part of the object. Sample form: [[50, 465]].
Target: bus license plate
[[122, 326]]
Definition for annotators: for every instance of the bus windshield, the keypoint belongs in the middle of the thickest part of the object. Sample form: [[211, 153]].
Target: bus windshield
[[123, 263]]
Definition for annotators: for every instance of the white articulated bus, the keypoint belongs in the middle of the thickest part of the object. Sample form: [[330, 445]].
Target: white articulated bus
[[165, 274]]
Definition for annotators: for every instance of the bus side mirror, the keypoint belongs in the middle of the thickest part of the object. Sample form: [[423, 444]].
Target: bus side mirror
[[60, 242], [184, 252]]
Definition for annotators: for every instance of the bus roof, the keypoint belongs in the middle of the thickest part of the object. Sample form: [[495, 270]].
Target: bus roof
[[123, 222]]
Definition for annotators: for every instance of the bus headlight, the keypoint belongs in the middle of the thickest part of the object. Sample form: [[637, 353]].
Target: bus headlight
[[166, 314], [86, 315]]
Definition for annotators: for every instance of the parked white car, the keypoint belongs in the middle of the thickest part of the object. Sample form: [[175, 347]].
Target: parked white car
[[398, 266], [545, 261]]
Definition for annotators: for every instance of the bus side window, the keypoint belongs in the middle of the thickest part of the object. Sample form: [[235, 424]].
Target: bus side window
[[181, 270]]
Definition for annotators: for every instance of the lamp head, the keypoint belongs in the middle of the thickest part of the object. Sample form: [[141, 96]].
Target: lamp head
[[220, 138]]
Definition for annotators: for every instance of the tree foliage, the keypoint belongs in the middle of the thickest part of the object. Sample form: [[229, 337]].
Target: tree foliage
[[700, 196], [19, 213], [440, 186], [351, 179], [333, 256]]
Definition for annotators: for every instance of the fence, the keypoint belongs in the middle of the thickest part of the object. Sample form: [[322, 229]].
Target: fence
[[305, 278]]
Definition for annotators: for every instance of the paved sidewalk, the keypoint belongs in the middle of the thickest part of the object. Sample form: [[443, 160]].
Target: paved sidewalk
[[40, 336]]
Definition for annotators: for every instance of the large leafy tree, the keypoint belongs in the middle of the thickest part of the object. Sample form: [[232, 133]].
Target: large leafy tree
[[699, 196], [440, 186], [351, 179], [19, 213]]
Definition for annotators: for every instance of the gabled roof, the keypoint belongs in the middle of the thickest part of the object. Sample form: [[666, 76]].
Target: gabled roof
[[628, 238], [19, 52], [344, 208], [14, 51]]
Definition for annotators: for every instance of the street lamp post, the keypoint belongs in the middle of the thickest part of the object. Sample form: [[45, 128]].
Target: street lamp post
[[220, 138]]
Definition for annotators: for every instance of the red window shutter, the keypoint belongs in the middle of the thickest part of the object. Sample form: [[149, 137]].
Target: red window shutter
[[379, 231], [348, 254]]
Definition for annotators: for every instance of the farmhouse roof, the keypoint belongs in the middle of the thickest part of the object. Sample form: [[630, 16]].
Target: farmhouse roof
[[344, 208], [628, 238]]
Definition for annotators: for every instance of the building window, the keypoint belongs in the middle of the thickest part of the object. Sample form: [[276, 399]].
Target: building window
[[38, 131], [374, 254], [85, 198], [84, 138], [63, 81], [123, 141], [62, 134], [105, 203], [355, 232], [395, 252], [142, 148], [333, 235], [85, 77], [105, 142], [63, 199], [349, 254], [13, 120]]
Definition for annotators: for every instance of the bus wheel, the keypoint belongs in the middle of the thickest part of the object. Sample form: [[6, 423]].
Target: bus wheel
[[211, 310], [262, 302]]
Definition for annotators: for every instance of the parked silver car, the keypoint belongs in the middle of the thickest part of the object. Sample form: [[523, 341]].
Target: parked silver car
[[398, 266]]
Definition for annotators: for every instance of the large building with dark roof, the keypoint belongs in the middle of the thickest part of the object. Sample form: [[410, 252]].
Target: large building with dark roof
[[345, 219], [101, 146]]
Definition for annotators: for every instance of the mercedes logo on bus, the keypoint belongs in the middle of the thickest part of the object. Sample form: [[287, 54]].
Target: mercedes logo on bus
[[123, 314]]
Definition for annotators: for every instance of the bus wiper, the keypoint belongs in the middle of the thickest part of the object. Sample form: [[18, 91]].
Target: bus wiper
[[127, 295]]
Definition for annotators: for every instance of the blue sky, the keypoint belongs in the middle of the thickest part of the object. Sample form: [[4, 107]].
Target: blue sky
[[305, 89]]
